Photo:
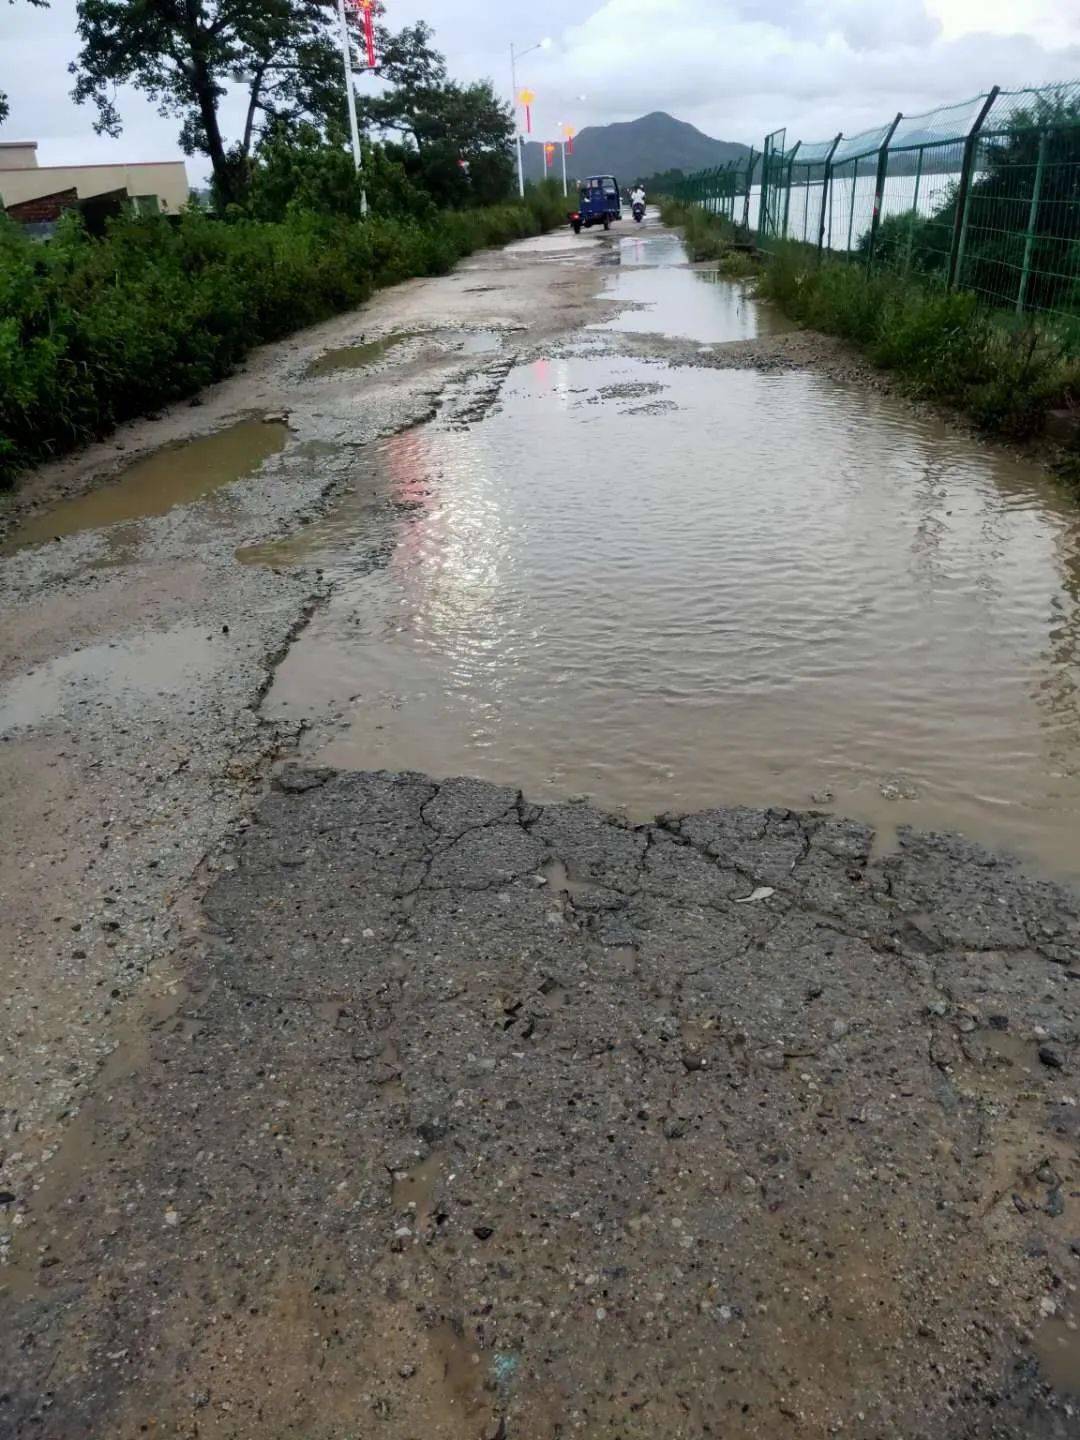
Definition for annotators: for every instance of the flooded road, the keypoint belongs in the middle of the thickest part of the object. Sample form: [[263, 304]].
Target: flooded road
[[669, 587], [390, 1103]]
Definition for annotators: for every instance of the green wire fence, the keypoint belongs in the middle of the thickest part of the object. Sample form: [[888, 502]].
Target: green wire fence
[[982, 195]]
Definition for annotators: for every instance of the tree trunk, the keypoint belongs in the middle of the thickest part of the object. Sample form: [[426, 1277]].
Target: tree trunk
[[224, 175]]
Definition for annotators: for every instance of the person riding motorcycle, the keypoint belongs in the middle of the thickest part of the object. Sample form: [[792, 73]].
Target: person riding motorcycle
[[637, 195]]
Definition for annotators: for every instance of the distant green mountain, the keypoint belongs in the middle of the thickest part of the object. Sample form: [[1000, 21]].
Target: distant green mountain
[[636, 149]]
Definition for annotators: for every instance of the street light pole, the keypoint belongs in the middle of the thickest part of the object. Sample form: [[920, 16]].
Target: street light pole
[[515, 56], [517, 127]]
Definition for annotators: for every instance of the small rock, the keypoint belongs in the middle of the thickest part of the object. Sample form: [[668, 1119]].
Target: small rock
[[838, 1029], [772, 1059], [1055, 1203], [1047, 1175], [693, 1060], [407, 1371], [822, 797], [483, 1232], [172, 1218], [1051, 1057], [675, 1128]]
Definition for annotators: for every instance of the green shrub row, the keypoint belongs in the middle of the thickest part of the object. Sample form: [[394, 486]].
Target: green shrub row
[[97, 331], [944, 345]]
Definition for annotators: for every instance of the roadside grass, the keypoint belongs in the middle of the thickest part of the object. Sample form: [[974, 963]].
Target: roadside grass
[[709, 237], [97, 331], [944, 345]]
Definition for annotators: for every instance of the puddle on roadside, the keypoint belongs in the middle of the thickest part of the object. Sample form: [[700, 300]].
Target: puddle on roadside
[[88, 1138], [160, 482], [1057, 1348], [361, 357], [560, 881], [357, 357], [165, 663], [414, 1189], [463, 1373]]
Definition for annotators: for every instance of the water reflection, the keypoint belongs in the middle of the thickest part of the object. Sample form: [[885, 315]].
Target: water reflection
[[773, 586]]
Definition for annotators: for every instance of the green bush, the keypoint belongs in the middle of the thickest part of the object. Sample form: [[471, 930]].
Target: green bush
[[97, 331], [944, 345]]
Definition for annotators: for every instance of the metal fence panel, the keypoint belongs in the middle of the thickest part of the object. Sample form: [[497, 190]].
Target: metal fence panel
[[983, 194]]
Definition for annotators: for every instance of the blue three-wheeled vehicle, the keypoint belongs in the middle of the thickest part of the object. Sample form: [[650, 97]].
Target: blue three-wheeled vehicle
[[598, 203]]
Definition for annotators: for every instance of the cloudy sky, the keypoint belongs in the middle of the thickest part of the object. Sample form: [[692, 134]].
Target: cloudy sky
[[735, 68]]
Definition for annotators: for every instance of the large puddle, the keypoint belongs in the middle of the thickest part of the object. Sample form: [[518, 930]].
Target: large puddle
[[671, 588], [157, 484]]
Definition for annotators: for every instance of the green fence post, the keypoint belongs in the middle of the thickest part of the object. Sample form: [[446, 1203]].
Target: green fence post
[[879, 189], [914, 211], [787, 193], [963, 194], [1033, 220], [750, 164], [851, 212], [826, 193], [763, 196]]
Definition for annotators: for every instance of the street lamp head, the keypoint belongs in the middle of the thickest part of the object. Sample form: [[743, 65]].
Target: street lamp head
[[546, 43]]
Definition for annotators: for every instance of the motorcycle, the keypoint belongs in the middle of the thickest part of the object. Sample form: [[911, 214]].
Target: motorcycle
[[639, 210]]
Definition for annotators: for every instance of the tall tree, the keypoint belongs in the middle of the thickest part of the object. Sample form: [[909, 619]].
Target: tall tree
[[4, 110], [184, 53], [454, 139]]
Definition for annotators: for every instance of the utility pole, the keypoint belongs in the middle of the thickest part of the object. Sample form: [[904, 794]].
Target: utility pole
[[350, 92]]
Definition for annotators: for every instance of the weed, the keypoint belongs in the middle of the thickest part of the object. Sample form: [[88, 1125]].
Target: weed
[[942, 343]]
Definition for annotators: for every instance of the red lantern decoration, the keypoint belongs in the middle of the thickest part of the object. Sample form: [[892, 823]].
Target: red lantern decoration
[[549, 155], [526, 98]]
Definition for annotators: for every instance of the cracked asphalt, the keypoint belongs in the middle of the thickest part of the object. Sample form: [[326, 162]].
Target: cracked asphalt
[[477, 1118], [350, 1105]]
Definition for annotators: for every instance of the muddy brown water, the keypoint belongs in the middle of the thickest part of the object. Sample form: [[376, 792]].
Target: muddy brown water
[[159, 482], [674, 587]]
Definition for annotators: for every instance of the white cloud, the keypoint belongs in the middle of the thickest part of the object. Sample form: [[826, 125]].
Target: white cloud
[[736, 68], [817, 66]]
